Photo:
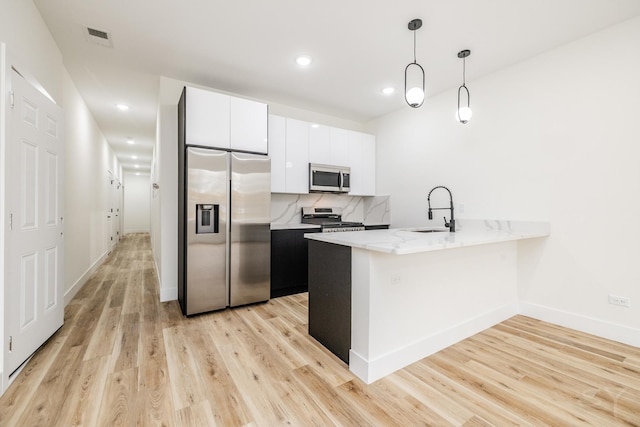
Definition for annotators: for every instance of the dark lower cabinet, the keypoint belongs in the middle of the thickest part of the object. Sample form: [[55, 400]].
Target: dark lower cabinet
[[289, 271], [330, 296]]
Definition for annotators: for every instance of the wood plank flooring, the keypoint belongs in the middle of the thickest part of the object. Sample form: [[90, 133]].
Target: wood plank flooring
[[122, 359]]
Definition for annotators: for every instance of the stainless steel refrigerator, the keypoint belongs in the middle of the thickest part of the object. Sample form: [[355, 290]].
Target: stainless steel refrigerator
[[224, 237]]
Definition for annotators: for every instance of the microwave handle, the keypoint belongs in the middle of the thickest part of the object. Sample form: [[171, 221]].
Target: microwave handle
[[341, 179]]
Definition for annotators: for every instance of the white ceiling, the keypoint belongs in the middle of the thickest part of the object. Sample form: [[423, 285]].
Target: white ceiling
[[249, 47]]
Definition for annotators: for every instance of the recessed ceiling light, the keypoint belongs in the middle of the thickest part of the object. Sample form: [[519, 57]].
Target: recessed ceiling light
[[315, 125], [130, 140], [137, 173], [134, 157], [136, 166], [303, 60], [122, 107], [388, 90]]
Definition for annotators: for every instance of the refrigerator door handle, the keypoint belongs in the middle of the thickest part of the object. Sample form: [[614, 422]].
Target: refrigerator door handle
[[216, 218]]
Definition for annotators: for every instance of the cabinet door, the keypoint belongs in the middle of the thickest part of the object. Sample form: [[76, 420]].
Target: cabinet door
[[207, 118], [277, 153], [283, 244], [248, 125], [297, 162], [369, 164], [356, 163], [319, 144], [362, 159], [289, 261], [339, 147]]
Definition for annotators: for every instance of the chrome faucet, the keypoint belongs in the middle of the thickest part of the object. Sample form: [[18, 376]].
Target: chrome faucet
[[452, 223]]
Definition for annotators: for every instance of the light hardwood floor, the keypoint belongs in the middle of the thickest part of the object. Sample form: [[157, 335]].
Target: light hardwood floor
[[123, 358]]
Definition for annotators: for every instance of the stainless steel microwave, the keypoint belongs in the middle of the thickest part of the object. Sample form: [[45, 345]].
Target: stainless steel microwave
[[333, 179]]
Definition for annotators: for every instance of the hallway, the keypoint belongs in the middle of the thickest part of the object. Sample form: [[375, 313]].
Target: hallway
[[123, 358]]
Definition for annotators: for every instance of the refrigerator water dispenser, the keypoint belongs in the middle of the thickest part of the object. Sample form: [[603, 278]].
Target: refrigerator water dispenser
[[207, 219]]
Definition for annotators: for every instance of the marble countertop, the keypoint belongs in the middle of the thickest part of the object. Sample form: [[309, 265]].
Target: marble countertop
[[402, 241]]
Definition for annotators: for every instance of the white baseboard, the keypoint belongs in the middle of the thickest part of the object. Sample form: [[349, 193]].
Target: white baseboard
[[68, 296], [590, 325], [372, 370], [168, 294]]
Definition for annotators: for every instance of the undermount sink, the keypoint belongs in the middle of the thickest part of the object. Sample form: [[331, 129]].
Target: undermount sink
[[429, 230]]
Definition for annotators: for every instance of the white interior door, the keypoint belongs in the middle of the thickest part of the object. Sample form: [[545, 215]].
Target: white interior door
[[110, 212], [118, 211], [34, 251]]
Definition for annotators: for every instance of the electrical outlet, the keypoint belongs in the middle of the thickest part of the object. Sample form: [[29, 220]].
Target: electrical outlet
[[395, 279], [618, 300], [461, 208]]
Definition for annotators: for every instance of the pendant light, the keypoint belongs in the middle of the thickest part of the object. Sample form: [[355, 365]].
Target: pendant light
[[463, 114], [415, 94]]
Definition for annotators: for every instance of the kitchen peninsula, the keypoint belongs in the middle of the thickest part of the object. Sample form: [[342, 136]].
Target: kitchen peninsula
[[383, 299]]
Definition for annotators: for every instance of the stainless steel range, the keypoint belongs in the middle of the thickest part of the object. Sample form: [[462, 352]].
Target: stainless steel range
[[329, 219]]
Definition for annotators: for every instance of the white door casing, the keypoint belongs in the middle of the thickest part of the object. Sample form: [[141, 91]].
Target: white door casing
[[34, 248]]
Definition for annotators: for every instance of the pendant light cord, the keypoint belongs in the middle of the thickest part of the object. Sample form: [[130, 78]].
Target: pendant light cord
[[464, 71], [414, 47]]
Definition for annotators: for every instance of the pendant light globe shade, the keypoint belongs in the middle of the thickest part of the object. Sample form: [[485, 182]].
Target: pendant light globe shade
[[415, 97], [464, 114]]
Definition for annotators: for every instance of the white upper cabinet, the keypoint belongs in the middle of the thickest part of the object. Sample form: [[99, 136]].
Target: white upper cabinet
[[319, 144], [278, 153], [207, 118], [339, 147], [248, 125], [297, 161], [362, 159], [293, 144], [355, 162], [369, 164], [328, 145], [221, 121]]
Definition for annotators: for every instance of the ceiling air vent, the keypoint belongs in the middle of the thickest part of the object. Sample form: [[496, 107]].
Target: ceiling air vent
[[98, 33], [95, 36]]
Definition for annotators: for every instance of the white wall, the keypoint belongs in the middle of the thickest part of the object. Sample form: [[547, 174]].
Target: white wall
[[553, 138], [164, 203], [88, 161], [136, 202], [88, 156]]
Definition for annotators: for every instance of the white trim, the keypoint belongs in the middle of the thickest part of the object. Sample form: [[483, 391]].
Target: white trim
[[372, 370], [73, 290], [168, 294], [600, 328]]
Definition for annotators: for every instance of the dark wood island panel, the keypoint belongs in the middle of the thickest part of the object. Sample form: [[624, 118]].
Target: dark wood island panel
[[330, 296]]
